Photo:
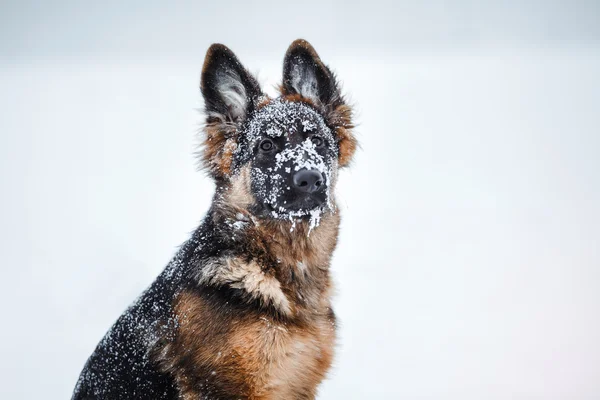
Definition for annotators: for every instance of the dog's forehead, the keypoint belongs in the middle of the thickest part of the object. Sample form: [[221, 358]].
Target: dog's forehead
[[280, 117]]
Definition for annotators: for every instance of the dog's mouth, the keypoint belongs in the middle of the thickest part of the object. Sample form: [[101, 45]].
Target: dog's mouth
[[305, 203], [299, 207]]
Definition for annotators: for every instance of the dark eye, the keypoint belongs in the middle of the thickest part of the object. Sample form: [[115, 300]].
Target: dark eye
[[317, 141], [266, 145]]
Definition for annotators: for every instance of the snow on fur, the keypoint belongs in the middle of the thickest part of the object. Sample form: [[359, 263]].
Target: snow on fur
[[276, 116]]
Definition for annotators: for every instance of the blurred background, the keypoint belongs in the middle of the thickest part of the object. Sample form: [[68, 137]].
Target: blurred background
[[468, 265]]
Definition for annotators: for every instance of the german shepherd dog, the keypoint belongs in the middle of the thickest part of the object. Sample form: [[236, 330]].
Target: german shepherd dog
[[243, 310]]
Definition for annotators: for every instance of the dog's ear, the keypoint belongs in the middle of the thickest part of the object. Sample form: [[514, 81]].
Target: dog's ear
[[305, 74], [230, 91]]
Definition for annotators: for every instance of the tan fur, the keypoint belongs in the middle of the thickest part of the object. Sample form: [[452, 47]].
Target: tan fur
[[248, 276], [286, 361], [238, 194], [202, 336], [218, 147], [254, 354], [341, 119]]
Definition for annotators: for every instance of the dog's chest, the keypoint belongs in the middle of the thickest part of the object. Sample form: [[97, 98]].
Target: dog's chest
[[226, 353], [284, 361]]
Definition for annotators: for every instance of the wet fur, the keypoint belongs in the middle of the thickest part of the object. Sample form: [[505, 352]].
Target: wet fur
[[243, 311]]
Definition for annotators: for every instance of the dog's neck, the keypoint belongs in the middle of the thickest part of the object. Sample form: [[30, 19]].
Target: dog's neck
[[294, 253], [285, 240]]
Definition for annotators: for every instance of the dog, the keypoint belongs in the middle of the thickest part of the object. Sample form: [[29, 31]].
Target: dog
[[243, 310]]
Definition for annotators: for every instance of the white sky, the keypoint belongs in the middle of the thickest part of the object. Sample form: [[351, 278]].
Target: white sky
[[468, 262]]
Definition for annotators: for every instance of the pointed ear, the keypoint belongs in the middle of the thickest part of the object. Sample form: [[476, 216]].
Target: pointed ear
[[229, 90], [305, 74]]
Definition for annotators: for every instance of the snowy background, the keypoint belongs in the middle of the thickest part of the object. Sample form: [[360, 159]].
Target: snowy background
[[469, 258]]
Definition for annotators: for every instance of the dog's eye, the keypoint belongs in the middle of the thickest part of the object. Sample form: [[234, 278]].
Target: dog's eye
[[266, 145], [317, 141]]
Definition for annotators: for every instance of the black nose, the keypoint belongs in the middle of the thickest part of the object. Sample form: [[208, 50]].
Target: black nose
[[308, 180]]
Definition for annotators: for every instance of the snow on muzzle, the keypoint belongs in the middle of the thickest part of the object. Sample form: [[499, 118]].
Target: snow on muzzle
[[298, 183]]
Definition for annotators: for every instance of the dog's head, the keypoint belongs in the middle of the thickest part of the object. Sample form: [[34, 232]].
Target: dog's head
[[277, 158]]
